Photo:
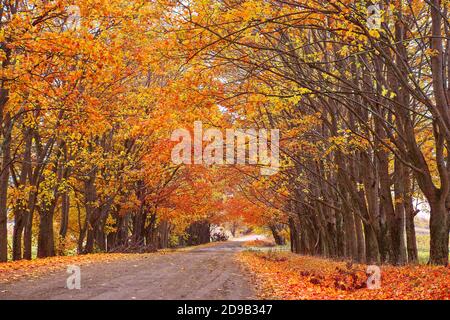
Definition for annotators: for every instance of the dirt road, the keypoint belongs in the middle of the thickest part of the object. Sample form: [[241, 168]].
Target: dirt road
[[202, 273]]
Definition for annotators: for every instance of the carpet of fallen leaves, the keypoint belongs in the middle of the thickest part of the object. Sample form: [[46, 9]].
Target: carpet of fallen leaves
[[283, 275], [15, 270]]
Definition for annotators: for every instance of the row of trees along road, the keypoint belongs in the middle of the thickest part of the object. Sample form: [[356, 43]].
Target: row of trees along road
[[88, 100], [86, 115], [364, 114]]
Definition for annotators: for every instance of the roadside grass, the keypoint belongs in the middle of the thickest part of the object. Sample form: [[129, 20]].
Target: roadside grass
[[272, 248], [423, 248], [258, 244], [189, 248]]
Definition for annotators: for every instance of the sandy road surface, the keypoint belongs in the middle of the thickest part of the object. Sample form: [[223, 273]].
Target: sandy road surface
[[203, 273]]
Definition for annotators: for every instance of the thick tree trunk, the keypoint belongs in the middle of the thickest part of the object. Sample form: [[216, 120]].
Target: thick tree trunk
[[90, 197], [439, 223], [411, 242], [163, 234], [139, 227], [63, 172], [411, 234], [360, 240], [4, 179], [294, 236], [371, 242], [279, 239], [122, 231], [439, 233], [28, 233], [199, 233], [28, 237], [90, 239], [340, 235], [6, 129], [46, 243], [398, 223], [100, 236], [19, 225], [64, 224], [350, 235], [305, 242], [20, 213]]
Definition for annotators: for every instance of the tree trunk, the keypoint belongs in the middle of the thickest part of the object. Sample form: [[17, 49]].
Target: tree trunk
[[20, 212], [279, 239], [163, 234], [439, 230], [350, 235], [294, 236], [64, 224], [28, 237], [46, 244], [411, 234], [90, 197], [398, 223], [4, 179], [371, 242], [361, 258], [19, 225], [199, 233], [411, 243]]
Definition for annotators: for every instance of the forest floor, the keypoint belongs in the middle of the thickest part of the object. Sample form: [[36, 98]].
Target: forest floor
[[204, 272], [287, 276]]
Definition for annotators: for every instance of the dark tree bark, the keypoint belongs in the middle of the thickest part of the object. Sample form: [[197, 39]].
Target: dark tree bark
[[199, 233], [4, 176], [46, 241], [279, 239]]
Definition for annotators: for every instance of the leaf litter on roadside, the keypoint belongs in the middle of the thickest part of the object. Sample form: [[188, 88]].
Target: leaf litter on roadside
[[282, 275]]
